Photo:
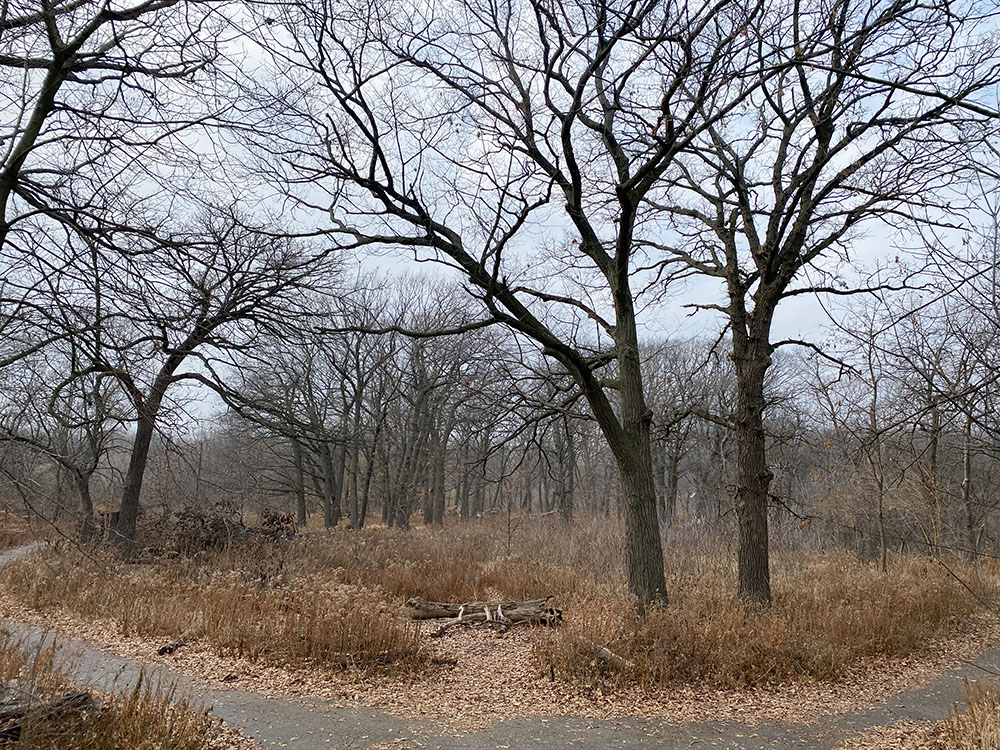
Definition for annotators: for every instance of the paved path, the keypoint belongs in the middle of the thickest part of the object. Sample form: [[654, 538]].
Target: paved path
[[311, 725]]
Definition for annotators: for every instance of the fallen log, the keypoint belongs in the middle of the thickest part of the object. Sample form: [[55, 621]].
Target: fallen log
[[421, 609], [497, 615], [608, 658], [13, 718]]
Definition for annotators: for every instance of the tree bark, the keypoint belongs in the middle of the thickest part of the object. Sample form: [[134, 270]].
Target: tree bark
[[369, 472], [125, 530], [463, 483], [354, 495], [567, 469], [438, 479], [421, 609], [300, 485], [673, 480], [333, 483], [429, 462], [753, 476], [86, 507], [629, 440], [970, 516]]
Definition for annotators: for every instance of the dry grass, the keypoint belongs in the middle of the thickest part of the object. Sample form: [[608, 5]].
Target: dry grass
[[979, 727], [831, 614], [466, 562], [326, 595], [234, 601], [14, 533], [143, 718]]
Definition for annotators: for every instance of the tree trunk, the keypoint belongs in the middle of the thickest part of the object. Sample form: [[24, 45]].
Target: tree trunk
[[566, 461], [86, 507], [970, 516], [929, 471], [369, 472], [463, 484], [673, 479], [643, 548], [629, 440], [354, 464], [659, 451], [354, 498], [438, 479], [300, 484], [125, 530], [57, 514], [753, 476], [428, 462], [333, 483]]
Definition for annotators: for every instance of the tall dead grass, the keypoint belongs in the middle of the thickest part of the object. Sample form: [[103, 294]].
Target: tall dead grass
[[831, 613], [142, 718], [467, 561], [325, 596], [979, 727], [232, 608]]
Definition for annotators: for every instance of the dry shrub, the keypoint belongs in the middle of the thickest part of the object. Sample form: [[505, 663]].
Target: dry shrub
[[830, 613], [979, 727], [195, 599]]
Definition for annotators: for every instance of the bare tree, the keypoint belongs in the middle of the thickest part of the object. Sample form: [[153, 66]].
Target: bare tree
[[73, 420], [828, 148], [453, 132], [185, 311], [94, 100]]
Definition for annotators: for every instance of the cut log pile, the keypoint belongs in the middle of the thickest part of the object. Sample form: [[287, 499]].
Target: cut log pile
[[15, 715], [497, 615]]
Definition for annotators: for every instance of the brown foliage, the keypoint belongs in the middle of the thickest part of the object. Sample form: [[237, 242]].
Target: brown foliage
[[831, 613]]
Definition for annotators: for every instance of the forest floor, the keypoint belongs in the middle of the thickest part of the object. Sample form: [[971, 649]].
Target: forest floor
[[494, 695]]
